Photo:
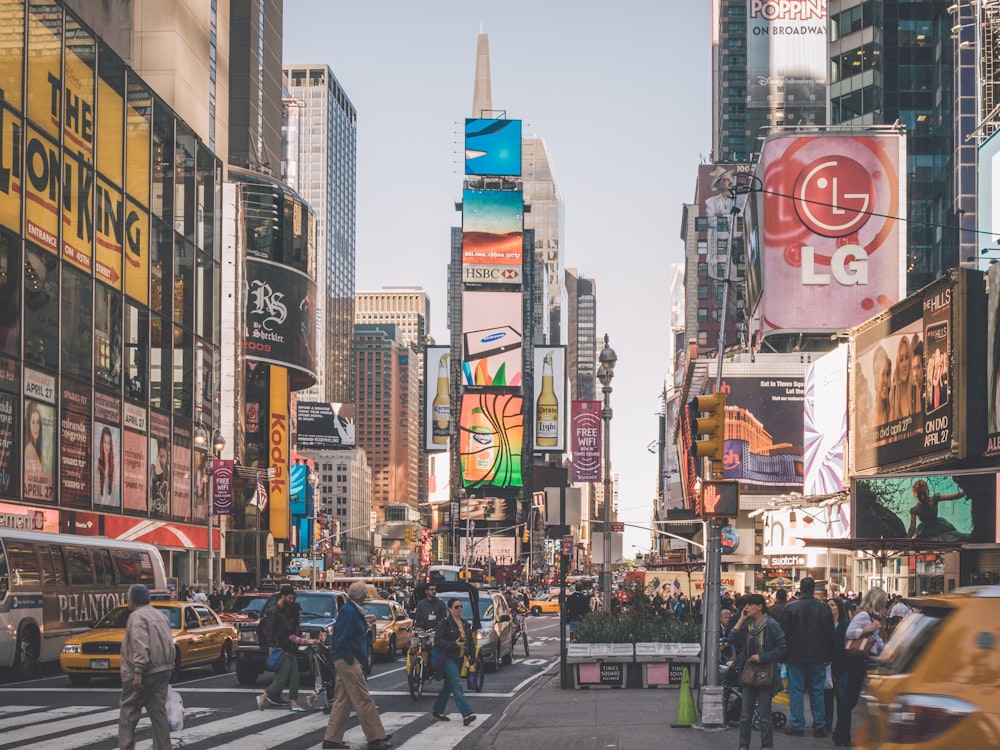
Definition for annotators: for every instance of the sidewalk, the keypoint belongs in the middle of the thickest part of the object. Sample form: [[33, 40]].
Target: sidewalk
[[547, 718]]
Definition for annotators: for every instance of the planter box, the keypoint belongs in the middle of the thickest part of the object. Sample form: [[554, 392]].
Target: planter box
[[607, 665], [600, 665], [662, 664]]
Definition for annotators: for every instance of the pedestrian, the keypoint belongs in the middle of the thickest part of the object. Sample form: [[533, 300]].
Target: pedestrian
[[199, 596], [350, 651], [454, 635], [838, 661], [777, 610], [808, 627], [282, 626], [430, 611], [577, 607], [760, 640], [147, 658], [867, 622]]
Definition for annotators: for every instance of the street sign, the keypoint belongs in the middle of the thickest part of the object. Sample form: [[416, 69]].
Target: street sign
[[617, 526]]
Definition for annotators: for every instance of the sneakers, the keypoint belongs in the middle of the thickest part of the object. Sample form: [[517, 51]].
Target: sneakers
[[469, 718]]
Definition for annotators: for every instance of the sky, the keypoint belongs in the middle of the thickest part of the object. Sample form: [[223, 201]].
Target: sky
[[621, 95]]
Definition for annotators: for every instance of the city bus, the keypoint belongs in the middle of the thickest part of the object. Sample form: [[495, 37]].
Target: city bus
[[53, 586]]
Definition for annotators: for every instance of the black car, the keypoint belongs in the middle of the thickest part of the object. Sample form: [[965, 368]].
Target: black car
[[319, 613]]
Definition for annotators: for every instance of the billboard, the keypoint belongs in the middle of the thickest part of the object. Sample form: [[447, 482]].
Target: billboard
[[439, 477], [585, 441], [40, 436], [934, 507], [764, 431], [487, 509], [281, 319], [107, 452], [491, 338], [493, 147], [74, 449], [825, 423], [993, 360], [491, 432], [550, 399], [915, 372], [324, 425], [827, 236], [492, 227], [717, 201], [785, 529], [787, 58], [437, 398]]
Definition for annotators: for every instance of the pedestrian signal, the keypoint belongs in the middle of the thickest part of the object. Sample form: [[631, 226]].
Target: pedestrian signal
[[720, 498]]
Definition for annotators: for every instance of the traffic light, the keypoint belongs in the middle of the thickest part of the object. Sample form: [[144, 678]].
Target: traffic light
[[410, 535], [712, 426], [720, 498], [525, 535]]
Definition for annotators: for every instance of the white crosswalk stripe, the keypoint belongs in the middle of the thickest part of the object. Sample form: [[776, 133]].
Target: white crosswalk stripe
[[442, 734]]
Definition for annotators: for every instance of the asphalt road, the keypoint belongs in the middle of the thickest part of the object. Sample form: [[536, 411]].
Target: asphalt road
[[47, 712]]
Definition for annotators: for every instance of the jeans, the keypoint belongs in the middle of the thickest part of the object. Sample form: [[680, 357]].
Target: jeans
[[452, 686], [802, 679], [838, 692], [287, 675], [763, 698], [857, 670]]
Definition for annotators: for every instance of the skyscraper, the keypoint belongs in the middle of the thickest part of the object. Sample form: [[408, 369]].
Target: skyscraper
[[327, 179], [581, 339]]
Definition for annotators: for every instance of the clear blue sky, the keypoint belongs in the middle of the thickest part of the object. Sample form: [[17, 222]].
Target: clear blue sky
[[620, 93]]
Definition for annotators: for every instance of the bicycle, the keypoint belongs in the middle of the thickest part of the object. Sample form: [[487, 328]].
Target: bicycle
[[418, 662], [521, 630], [321, 666]]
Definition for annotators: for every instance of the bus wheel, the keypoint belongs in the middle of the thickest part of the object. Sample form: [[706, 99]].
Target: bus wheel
[[26, 655]]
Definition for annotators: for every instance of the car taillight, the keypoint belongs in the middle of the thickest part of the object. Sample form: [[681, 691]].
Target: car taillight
[[916, 718]]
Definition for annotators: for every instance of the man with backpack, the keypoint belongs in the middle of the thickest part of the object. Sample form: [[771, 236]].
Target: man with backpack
[[577, 607]]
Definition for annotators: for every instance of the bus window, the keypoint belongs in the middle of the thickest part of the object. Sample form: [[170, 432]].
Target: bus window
[[144, 566], [4, 575], [53, 572], [126, 565], [23, 564], [78, 565], [102, 567]]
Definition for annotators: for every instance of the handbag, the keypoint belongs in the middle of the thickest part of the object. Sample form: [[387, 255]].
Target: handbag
[[756, 675], [438, 656], [275, 659], [859, 646]]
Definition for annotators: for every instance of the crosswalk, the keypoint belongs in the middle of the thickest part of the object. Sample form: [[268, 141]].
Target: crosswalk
[[96, 728]]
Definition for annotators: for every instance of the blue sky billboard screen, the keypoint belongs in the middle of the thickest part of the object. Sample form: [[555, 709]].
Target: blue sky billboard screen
[[493, 147], [492, 227]]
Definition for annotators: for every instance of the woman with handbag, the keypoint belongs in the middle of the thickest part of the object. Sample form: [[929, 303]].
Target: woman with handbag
[[763, 644], [454, 635], [837, 668], [863, 638]]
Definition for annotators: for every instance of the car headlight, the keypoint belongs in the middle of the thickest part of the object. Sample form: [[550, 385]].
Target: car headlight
[[381, 634], [71, 648], [248, 637]]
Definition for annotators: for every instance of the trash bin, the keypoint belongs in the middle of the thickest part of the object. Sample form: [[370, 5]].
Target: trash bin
[[662, 664], [600, 665]]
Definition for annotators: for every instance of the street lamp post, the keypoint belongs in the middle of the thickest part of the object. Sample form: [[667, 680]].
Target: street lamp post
[[313, 479], [605, 374], [218, 445]]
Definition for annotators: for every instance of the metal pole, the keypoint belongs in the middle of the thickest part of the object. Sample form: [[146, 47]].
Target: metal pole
[[606, 565], [563, 666]]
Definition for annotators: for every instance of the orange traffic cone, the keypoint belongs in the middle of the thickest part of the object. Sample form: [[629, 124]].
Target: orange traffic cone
[[686, 715]]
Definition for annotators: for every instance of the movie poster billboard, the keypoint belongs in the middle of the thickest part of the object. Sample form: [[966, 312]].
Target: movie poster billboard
[[493, 147], [74, 449], [908, 409], [550, 399], [107, 451], [322, 425], [281, 319], [931, 507], [585, 441], [181, 458], [720, 204], [492, 228], [764, 430], [437, 398], [492, 326], [40, 436], [491, 433], [825, 423], [993, 357], [135, 469], [9, 464], [828, 234], [787, 59], [160, 473]]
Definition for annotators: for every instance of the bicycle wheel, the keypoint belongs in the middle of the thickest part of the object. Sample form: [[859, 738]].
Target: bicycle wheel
[[480, 676], [524, 637], [415, 675]]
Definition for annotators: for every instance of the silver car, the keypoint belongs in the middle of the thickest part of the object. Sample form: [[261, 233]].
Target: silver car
[[495, 634]]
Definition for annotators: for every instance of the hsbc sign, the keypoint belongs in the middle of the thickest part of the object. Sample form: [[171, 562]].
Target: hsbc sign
[[476, 274]]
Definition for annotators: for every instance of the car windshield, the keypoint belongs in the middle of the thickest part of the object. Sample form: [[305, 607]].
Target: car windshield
[[381, 611], [486, 608], [116, 618], [317, 605], [244, 603], [173, 615], [909, 640]]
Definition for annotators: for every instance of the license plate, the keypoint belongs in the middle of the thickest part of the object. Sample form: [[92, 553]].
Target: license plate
[[100, 664]]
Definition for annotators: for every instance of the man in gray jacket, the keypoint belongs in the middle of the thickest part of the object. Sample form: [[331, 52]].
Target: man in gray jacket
[[146, 661]]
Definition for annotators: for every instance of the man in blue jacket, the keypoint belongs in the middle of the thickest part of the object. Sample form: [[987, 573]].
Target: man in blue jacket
[[350, 650], [808, 626]]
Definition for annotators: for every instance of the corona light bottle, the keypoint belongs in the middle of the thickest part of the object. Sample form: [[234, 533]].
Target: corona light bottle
[[547, 409], [482, 445], [441, 405]]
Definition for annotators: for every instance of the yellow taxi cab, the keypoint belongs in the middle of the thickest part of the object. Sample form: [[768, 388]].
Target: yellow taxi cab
[[200, 638], [545, 604], [936, 685], [393, 626]]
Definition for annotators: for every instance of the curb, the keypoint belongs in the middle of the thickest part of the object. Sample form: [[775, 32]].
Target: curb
[[488, 739]]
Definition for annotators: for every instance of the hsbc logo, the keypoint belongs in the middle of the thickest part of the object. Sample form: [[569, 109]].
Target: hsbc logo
[[492, 274]]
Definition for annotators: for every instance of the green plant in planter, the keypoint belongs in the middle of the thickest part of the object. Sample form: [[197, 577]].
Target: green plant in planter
[[637, 622]]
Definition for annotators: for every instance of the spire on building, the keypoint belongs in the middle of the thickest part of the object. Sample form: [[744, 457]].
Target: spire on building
[[482, 93]]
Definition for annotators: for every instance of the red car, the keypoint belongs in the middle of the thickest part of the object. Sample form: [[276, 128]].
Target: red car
[[244, 608]]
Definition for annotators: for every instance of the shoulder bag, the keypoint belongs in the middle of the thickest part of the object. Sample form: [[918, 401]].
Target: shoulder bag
[[756, 675], [275, 659], [859, 646]]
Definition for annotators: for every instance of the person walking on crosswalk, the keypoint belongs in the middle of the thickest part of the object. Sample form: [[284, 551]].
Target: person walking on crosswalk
[[147, 658], [454, 635]]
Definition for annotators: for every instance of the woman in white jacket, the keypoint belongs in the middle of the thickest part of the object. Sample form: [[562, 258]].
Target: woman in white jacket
[[867, 622]]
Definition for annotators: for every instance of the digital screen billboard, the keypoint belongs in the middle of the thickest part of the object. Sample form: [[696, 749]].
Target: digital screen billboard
[[322, 425], [934, 507], [786, 58], [493, 147], [491, 339], [437, 398], [764, 432], [75, 450], [908, 406], [828, 234], [40, 436], [586, 441], [492, 227], [825, 423], [491, 433], [550, 399], [993, 359]]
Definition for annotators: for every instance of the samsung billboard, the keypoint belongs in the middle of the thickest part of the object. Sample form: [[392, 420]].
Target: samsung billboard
[[492, 326]]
